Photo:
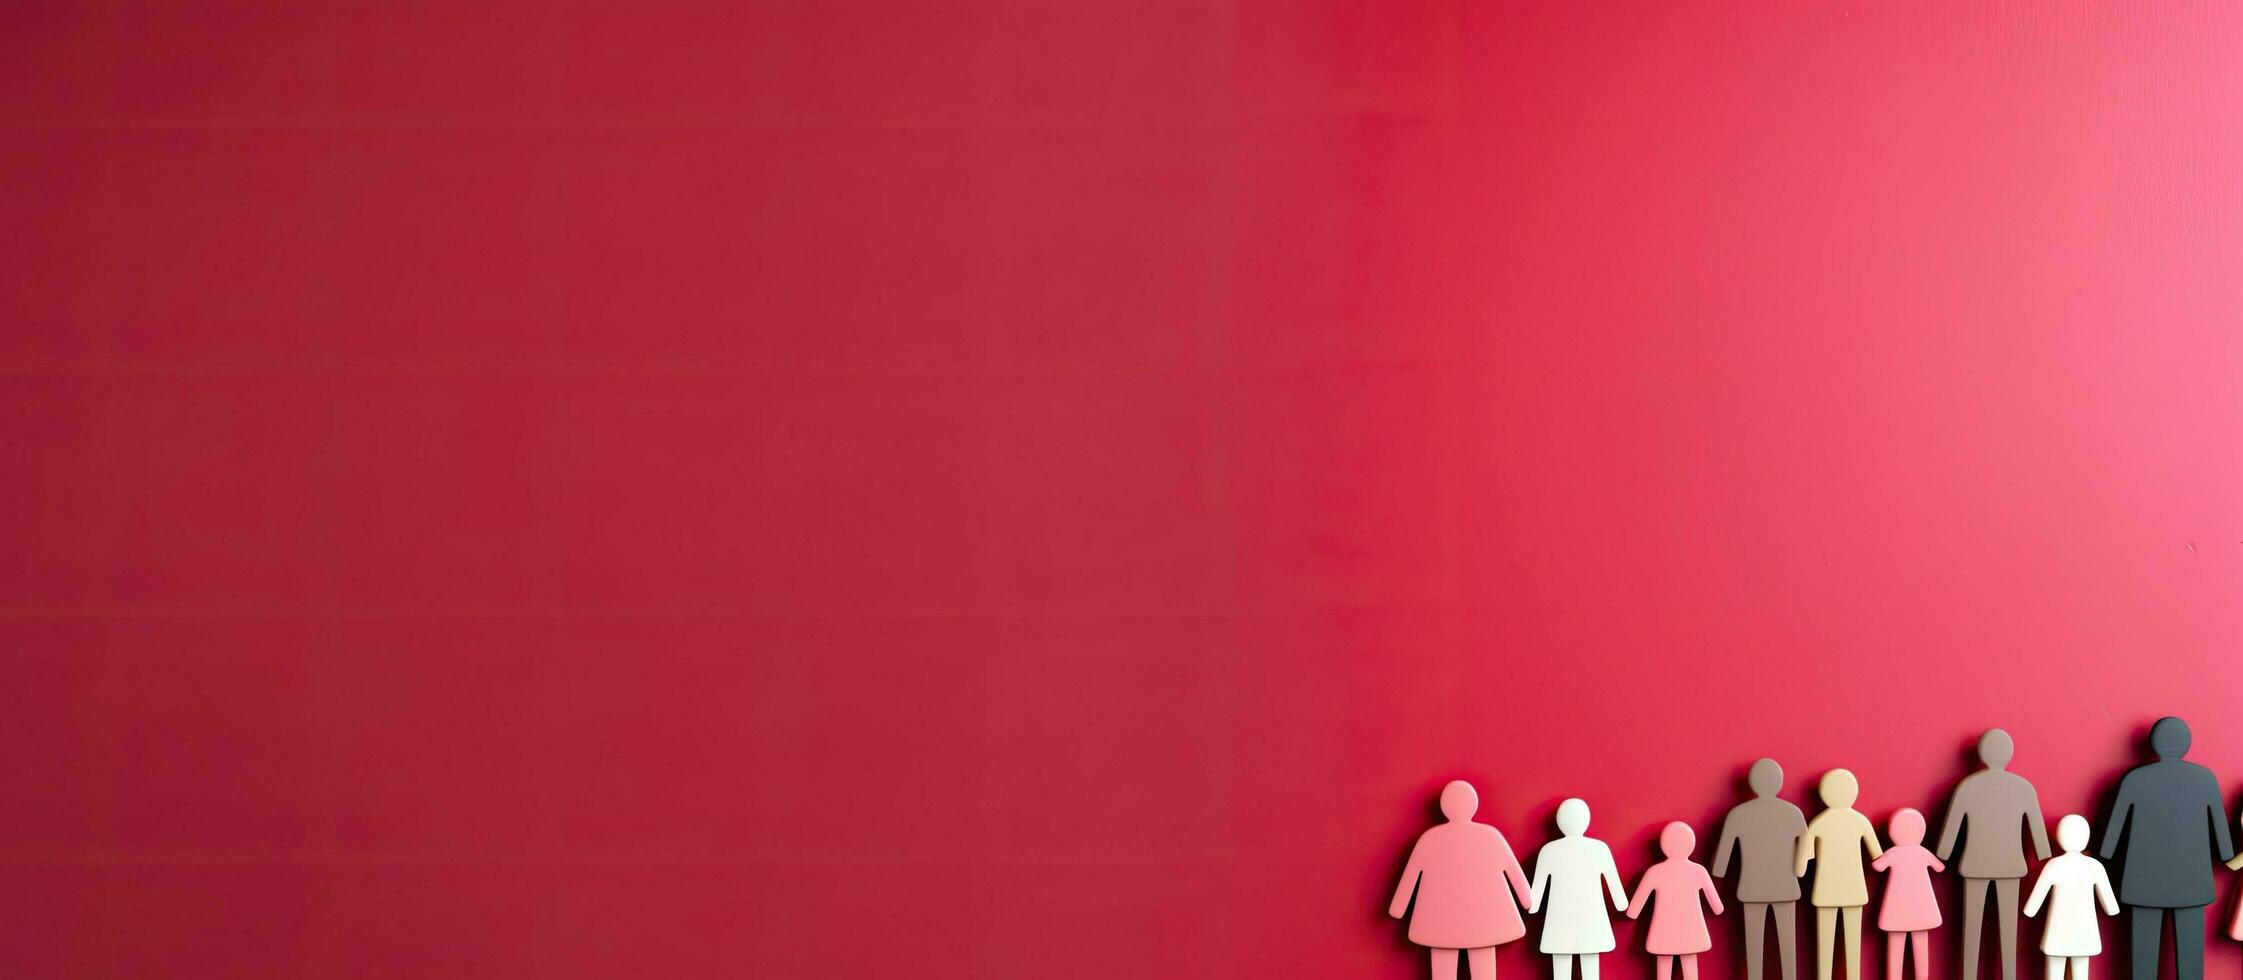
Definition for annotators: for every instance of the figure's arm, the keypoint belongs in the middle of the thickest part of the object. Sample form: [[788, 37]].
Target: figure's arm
[[1869, 840], [2040, 891], [1512, 871], [1937, 864], [1948, 827], [2217, 808], [2036, 822], [1612, 883], [2103, 891], [1541, 883], [2115, 830], [1406, 887], [1643, 895], [1713, 895], [1728, 843], [1882, 862], [1802, 854]]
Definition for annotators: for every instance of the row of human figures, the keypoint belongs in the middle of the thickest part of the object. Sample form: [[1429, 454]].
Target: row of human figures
[[2168, 822]]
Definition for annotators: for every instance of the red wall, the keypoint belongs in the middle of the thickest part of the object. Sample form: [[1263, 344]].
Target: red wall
[[999, 489]]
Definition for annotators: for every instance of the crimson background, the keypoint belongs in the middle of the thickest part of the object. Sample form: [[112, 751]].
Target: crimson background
[[1006, 488]]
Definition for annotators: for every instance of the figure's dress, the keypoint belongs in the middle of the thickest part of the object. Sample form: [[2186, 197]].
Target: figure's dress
[[1460, 870], [1678, 916], [2071, 881], [1837, 837], [1576, 914], [1910, 904]]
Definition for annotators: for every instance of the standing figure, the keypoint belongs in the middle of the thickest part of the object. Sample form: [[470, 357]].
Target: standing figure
[[1987, 807], [1678, 921], [1834, 841], [2073, 884], [1911, 909], [2173, 824], [1765, 830], [1572, 877], [1458, 871]]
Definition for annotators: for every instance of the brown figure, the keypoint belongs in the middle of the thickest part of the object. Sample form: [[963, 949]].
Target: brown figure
[[1765, 831], [1987, 807]]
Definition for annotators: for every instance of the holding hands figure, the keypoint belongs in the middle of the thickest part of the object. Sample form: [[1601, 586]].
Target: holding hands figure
[[2073, 885], [1763, 833], [1911, 909], [1572, 877], [1678, 922], [1457, 872], [1834, 841]]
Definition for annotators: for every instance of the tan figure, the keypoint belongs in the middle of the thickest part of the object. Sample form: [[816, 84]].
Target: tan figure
[[1987, 807], [1765, 832], [1834, 841]]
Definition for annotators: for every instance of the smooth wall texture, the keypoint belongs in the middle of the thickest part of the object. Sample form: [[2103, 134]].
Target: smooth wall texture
[[993, 488]]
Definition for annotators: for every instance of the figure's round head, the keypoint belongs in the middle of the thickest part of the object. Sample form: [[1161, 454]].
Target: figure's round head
[[1908, 826], [1839, 788], [1573, 817], [2071, 833], [1765, 777], [1677, 840], [1995, 749], [1458, 801], [2169, 738]]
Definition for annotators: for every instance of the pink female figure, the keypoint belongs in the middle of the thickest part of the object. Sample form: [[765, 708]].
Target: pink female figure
[[1458, 871], [1911, 909], [1678, 922]]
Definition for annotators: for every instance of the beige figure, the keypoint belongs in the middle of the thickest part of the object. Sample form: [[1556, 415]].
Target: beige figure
[[1835, 842], [1996, 810], [1764, 833]]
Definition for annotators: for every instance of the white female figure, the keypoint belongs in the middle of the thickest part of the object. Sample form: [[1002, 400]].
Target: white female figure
[[2073, 883], [1573, 877]]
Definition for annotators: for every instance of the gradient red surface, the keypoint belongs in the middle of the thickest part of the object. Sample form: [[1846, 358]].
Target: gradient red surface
[[1007, 489]]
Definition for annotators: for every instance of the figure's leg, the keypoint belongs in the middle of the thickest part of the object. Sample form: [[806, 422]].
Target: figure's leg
[[2079, 968], [1894, 941], [2188, 943], [1787, 938], [1444, 964], [1588, 966], [1689, 966], [1482, 961], [2147, 922], [1756, 938], [2056, 967], [1561, 965], [1920, 940], [1826, 941], [1853, 943], [2005, 920], [1974, 912], [1665, 969]]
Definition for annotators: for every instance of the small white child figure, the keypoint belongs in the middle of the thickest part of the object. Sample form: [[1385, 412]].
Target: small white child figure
[[1568, 873], [2073, 883]]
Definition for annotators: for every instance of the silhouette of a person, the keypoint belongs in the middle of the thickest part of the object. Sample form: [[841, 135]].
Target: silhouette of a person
[[1834, 841], [1765, 831], [1987, 807], [1457, 872], [1573, 877], [2172, 824]]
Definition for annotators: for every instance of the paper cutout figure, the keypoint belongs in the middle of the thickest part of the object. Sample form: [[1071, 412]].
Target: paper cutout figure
[[1678, 921], [1573, 876], [1987, 807], [1457, 872], [2172, 822], [1765, 831], [1834, 841], [1911, 909], [2073, 884], [2235, 925]]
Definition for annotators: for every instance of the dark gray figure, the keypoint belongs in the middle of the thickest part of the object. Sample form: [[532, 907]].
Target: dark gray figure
[[2173, 824], [1766, 831], [1991, 808]]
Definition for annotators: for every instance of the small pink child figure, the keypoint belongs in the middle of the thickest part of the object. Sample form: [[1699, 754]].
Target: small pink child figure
[[1457, 871], [1911, 909], [1678, 923]]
